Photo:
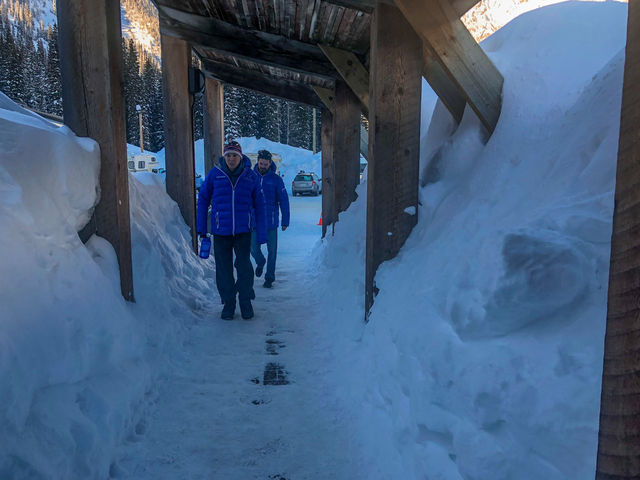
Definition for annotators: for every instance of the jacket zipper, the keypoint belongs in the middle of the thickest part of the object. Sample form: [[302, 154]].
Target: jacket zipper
[[233, 201]]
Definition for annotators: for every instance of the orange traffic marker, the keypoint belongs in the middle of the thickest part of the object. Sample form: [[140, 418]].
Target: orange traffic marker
[[320, 222]]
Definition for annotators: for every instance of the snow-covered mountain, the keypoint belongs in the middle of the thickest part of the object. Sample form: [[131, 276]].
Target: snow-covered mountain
[[139, 19]]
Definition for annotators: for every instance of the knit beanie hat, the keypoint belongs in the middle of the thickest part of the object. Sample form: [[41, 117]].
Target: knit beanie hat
[[233, 147]]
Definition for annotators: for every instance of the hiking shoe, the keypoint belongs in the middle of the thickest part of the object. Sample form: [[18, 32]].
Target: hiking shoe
[[246, 309], [267, 283], [228, 311], [259, 270]]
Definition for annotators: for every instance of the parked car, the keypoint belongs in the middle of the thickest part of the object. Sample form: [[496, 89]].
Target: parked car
[[306, 182]]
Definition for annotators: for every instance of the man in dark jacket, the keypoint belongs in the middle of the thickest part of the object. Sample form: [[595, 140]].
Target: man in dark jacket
[[277, 201], [237, 203]]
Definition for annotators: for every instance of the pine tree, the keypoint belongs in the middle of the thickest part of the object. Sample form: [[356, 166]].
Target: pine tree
[[53, 96]]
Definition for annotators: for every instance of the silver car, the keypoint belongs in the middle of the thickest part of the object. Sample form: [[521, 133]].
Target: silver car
[[308, 183]]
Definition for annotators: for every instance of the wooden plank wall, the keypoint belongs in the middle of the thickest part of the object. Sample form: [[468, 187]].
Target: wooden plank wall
[[213, 122], [619, 436], [178, 129], [394, 139], [92, 91]]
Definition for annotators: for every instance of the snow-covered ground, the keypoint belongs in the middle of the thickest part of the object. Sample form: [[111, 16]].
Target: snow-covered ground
[[483, 355]]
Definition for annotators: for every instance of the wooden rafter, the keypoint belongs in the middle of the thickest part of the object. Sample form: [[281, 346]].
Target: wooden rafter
[[327, 96], [254, 45], [441, 83], [478, 79], [352, 72], [259, 82]]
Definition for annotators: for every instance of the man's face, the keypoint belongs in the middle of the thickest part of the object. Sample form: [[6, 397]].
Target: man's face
[[233, 160], [263, 164]]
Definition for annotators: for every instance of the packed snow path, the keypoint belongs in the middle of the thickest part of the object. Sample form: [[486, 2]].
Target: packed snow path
[[215, 418]]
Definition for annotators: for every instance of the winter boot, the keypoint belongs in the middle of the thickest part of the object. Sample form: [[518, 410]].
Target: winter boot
[[259, 270], [229, 310], [267, 283], [246, 309]]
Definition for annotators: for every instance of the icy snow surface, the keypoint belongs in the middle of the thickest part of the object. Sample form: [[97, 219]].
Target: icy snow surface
[[483, 354]]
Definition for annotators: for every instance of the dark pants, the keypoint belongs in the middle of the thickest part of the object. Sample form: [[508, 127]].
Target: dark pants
[[272, 253], [224, 247]]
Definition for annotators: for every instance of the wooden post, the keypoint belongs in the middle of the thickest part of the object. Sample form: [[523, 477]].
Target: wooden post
[[213, 122], [93, 101], [328, 188], [178, 129], [618, 439], [394, 139], [346, 147]]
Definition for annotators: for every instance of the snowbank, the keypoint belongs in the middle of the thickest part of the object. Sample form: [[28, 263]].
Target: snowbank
[[483, 355], [76, 361]]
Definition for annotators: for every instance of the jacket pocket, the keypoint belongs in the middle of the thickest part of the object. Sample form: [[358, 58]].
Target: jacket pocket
[[217, 222]]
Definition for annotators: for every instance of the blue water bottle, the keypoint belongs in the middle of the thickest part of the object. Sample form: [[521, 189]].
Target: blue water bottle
[[205, 247]]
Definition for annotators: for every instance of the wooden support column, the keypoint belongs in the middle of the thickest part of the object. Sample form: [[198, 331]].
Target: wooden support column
[[213, 122], [619, 436], [394, 139], [92, 90], [328, 162], [346, 147], [478, 80], [178, 129]]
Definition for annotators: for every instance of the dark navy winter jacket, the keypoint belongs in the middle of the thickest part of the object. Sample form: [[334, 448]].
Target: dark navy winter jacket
[[234, 209], [275, 196]]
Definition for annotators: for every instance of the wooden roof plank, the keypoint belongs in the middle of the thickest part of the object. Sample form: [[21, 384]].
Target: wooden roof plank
[[261, 47]]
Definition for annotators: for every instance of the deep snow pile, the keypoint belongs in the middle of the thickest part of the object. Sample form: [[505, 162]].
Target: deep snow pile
[[483, 355], [76, 361]]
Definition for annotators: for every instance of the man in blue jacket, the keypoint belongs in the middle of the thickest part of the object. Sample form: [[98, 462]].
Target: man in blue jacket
[[237, 203], [277, 201]]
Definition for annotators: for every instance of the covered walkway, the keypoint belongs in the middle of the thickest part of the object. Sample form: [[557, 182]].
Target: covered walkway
[[251, 399]]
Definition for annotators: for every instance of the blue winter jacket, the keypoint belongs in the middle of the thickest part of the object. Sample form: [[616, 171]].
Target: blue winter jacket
[[234, 209], [275, 196]]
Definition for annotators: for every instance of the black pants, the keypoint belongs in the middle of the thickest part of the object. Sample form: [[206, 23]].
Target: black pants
[[224, 247]]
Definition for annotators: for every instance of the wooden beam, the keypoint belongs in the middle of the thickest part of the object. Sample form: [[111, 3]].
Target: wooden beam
[[352, 72], [328, 172], [346, 147], [178, 129], [257, 46], [327, 96], [394, 139], [618, 445], [478, 79], [92, 86], [443, 85], [259, 82], [213, 122]]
